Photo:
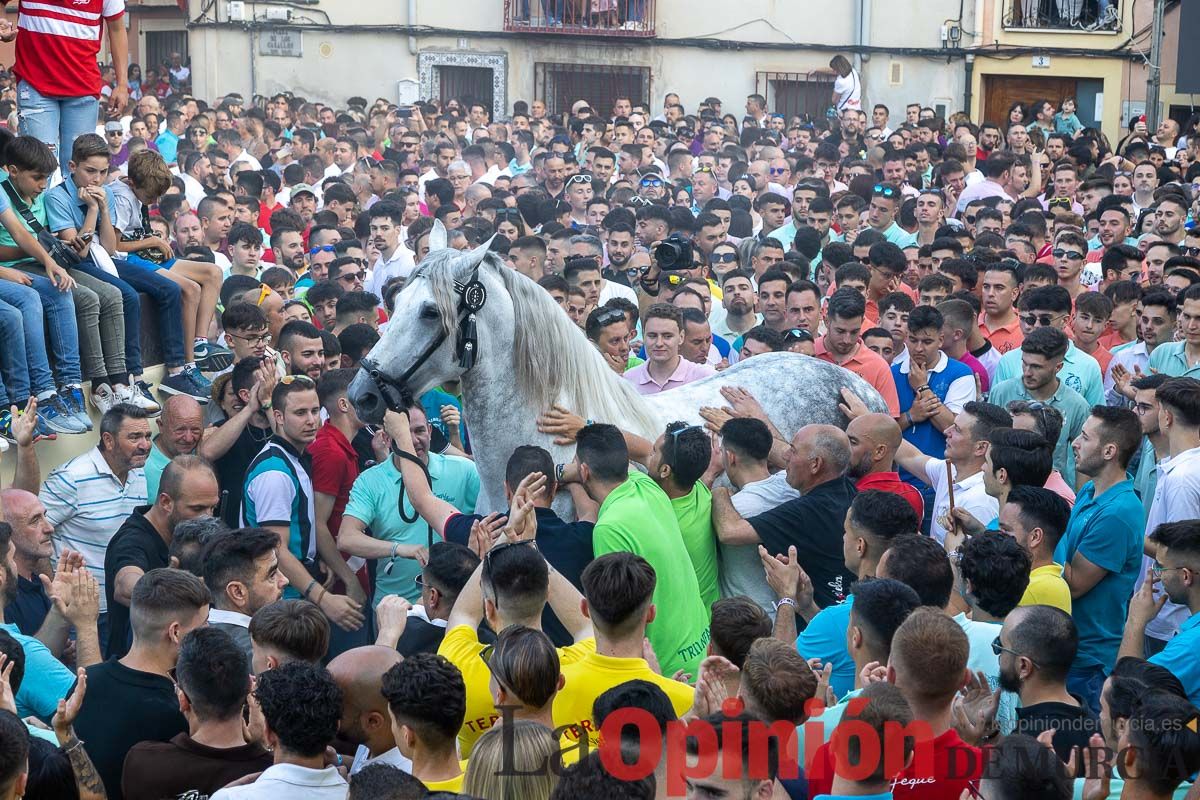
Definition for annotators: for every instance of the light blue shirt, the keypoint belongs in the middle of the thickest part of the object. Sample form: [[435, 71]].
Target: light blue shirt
[[1180, 656], [373, 501], [63, 209], [825, 638], [1107, 531], [1079, 371], [1074, 409], [46, 680], [1171, 359]]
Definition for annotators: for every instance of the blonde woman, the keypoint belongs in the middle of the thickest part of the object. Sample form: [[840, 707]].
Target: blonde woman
[[524, 775]]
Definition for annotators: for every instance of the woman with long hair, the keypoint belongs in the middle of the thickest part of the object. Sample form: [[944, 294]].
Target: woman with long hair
[[512, 762]]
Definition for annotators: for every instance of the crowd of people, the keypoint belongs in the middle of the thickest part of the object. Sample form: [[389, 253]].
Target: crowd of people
[[240, 589]]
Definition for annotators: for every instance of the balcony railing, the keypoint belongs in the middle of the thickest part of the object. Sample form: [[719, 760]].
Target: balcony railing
[[1097, 16], [617, 18]]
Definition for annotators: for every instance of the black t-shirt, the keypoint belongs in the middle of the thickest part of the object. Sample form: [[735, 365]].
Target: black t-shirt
[[184, 768], [29, 607], [813, 524], [1073, 726], [136, 544], [421, 636], [566, 545], [122, 707], [231, 469]]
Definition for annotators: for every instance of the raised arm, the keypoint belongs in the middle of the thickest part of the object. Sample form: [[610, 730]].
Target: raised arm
[[434, 510]]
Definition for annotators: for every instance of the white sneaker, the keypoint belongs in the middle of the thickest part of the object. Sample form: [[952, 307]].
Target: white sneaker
[[129, 394], [104, 398]]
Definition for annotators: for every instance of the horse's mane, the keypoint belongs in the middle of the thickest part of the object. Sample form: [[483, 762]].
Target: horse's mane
[[553, 361]]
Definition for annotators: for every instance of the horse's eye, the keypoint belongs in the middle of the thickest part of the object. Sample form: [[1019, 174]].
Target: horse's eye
[[429, 312]]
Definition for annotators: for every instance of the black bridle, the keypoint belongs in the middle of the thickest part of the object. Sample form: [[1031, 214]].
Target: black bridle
[[472, 295]]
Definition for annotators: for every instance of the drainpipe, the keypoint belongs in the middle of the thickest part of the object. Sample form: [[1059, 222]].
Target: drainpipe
[[412, 20], [969, 74], [864, 34], [858, 40]]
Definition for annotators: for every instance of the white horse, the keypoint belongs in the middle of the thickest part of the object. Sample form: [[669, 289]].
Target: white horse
[[528, 355]]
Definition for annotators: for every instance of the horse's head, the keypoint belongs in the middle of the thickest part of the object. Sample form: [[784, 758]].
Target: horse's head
[[433, 335]]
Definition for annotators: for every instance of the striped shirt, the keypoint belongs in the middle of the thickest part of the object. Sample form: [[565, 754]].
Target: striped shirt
[[86, 503], [58, 44]]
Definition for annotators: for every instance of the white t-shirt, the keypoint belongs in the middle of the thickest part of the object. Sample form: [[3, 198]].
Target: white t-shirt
[[613, 289], [849, 91], [969, 494]]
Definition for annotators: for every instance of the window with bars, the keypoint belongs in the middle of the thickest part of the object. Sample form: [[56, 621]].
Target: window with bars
[[560, 85], [618, 18], [796, 94]]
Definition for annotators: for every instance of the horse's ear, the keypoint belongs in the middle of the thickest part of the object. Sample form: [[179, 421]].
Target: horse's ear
[[476, 256], [437, 236]]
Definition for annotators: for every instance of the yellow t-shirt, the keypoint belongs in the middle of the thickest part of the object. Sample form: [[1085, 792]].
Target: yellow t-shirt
[[592, 676], [1047, 588], [451, 785], [461, 646]]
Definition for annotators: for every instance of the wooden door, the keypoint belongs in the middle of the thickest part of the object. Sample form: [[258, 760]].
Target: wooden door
[[1001, 91]]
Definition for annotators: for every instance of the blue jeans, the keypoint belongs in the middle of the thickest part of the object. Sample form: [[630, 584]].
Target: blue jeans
[[132, 308], [57, 121], [143, 276], [61, 324], [26, 365], [1086, 683]]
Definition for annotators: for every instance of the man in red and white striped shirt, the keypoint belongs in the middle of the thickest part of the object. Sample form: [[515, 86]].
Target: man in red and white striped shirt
[[59, 81]]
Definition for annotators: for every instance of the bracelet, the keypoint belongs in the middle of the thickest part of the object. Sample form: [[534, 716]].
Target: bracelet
[[785, 601], [73, 747], [395, 547], [558, 472], [924, 388], [909, 419], [308, 588]]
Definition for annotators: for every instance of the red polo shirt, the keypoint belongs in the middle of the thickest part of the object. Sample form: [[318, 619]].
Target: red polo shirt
[[869, 366], [334, 468], [890, 482]]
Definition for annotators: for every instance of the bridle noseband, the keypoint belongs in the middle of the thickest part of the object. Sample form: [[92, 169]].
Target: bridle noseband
[[472, 295]]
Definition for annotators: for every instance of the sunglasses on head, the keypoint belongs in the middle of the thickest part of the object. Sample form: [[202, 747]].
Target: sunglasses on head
[[325, 248], [885, 191], [580, 178], [611, 316], [303, 380]]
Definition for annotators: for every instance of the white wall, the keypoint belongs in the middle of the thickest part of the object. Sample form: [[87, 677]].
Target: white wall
[[336, 65]]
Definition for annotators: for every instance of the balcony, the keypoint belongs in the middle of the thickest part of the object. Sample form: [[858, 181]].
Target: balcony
[[630, 19], [1086, 16]]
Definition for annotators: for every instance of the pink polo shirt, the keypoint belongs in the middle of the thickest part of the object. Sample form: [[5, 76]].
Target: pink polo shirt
[[686, 372]]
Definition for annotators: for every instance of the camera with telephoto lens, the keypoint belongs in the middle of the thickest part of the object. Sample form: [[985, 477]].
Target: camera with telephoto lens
[[674, 253]]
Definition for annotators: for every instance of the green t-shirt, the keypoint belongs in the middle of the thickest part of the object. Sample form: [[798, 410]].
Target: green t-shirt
[[638, 518], [694, 514], [38, 207], [633, 361]]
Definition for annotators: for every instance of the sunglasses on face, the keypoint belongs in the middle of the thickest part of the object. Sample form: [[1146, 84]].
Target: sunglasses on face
[[361, 275], [1069, 255], [722, 258], [1189, 251], [778, 170], [651, 182], [1044, 320]]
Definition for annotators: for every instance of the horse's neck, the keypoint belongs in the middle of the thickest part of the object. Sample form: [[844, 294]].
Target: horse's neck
[[500, 420]]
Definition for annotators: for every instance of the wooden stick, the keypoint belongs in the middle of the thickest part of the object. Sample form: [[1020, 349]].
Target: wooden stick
[[950, 487]]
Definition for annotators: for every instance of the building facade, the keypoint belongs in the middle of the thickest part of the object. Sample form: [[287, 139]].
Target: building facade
[[978, 55]]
